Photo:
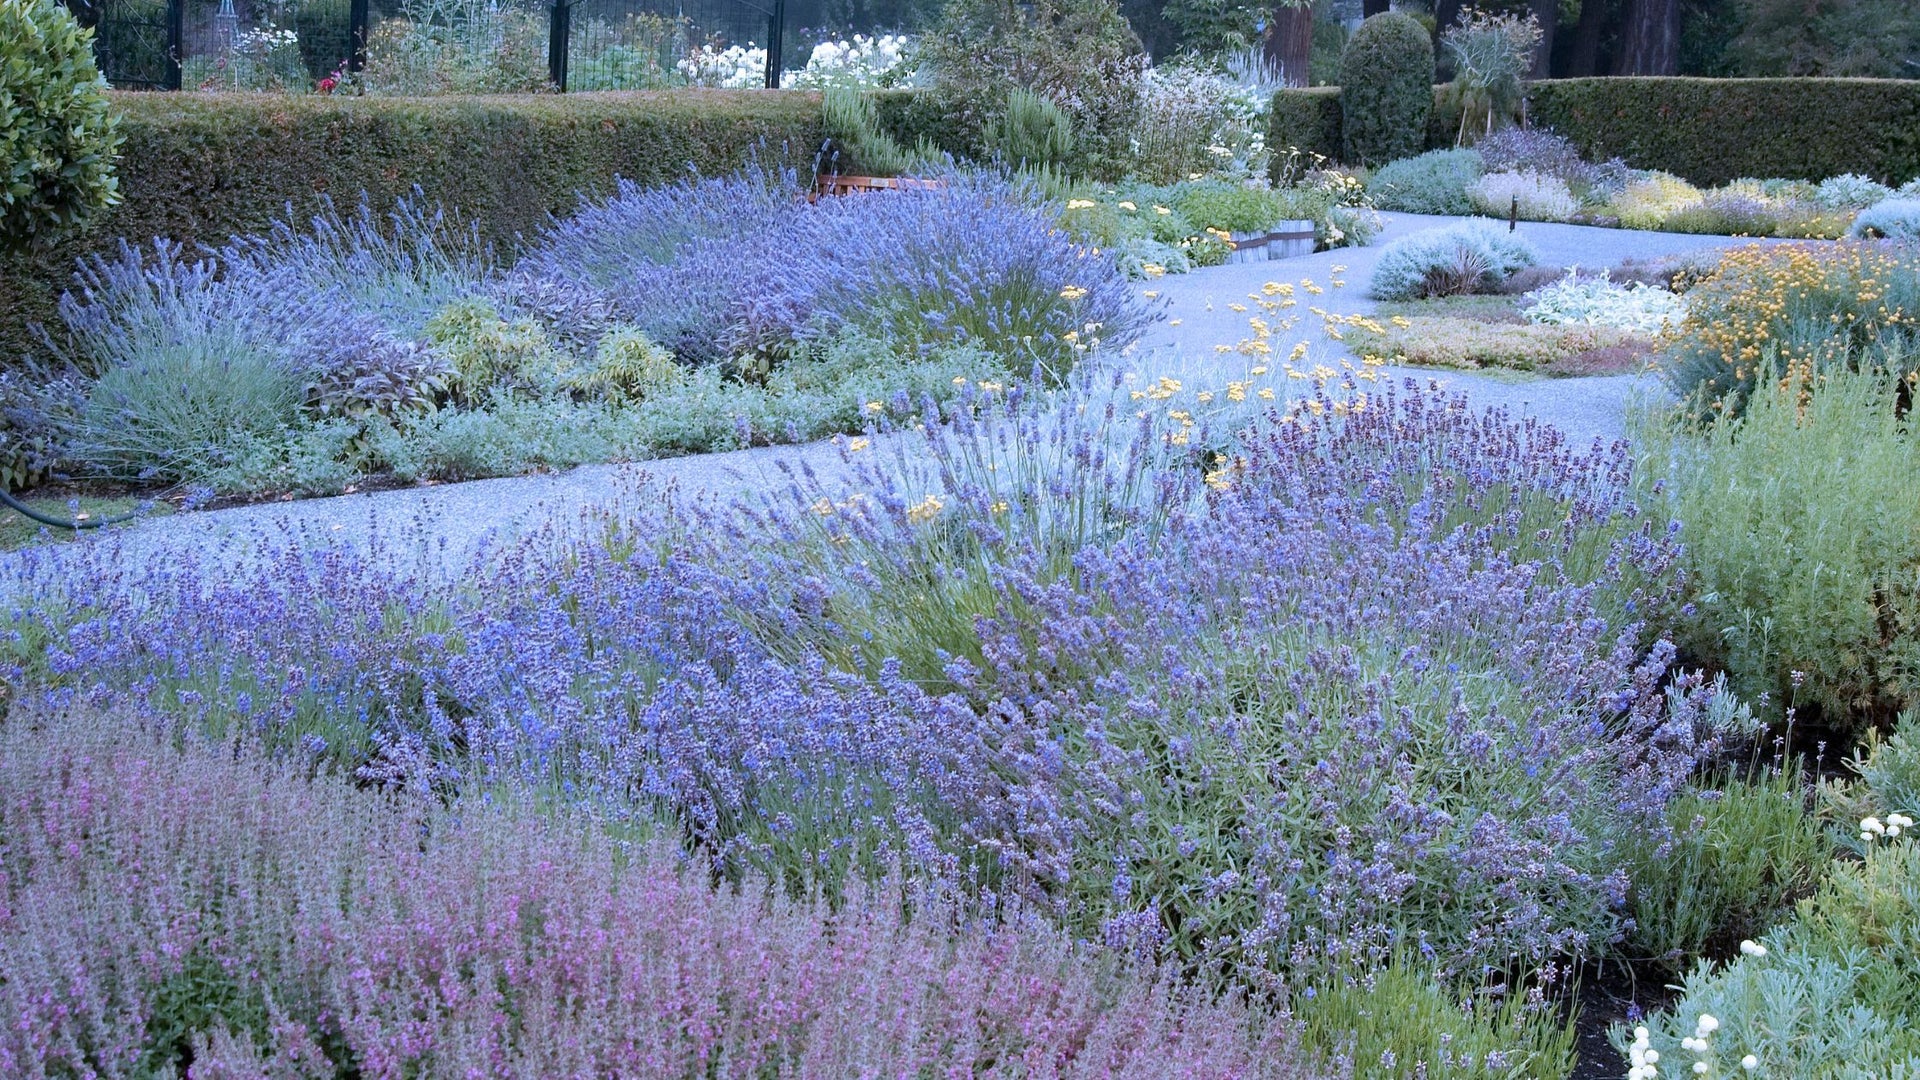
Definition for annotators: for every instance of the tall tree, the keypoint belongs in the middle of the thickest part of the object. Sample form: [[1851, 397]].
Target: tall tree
[[1289, 41], [1547, 13], [1650, 38], [1584, 58]]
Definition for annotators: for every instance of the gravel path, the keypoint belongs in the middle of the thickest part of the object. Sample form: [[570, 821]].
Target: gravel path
[[464, 519]]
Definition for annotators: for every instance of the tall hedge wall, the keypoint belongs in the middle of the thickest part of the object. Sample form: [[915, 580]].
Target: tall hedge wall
[[1706, 130], [204, 167], [1711, 131]]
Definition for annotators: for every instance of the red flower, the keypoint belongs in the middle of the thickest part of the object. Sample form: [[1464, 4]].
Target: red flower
[[326, 85]]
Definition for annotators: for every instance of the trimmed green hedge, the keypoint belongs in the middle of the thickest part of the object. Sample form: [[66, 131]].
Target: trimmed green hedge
[[1709, 131], [203, 167], [1307, 119]]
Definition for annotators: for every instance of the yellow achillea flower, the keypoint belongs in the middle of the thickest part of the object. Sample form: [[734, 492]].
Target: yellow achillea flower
[[925, 510], [1080, 204], [1072, 292], [874, 406]]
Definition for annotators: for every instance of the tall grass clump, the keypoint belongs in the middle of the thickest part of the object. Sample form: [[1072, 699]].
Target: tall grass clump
[[1801, 542], [170, 902]]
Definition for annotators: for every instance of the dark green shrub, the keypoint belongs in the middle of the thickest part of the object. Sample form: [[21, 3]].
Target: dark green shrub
[[1386, 90], [326, 35], [57, 134], [1307, 120]]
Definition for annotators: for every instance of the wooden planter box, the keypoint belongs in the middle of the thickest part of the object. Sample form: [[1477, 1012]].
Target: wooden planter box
[[1286, 240], [835, 184]]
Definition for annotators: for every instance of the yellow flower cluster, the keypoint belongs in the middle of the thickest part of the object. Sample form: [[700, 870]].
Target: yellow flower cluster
[[1748, 310], [925, 510]]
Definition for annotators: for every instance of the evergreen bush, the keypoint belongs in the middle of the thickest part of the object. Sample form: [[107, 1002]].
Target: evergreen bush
[[1386, 89]]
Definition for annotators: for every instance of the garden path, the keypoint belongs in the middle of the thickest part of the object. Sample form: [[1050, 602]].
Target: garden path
[[458, 521]]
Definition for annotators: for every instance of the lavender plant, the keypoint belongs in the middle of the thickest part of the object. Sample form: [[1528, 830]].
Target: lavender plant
[[1375, 681], [168, 904], [971, 262]]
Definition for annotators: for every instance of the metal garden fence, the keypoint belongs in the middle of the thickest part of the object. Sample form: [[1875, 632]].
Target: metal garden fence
[[451, 46]]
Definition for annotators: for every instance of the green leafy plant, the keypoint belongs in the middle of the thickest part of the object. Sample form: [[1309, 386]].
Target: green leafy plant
[[1230, 208], [629, 366], [489, 354], [1386, 89], [1803, 541], [58, 135]]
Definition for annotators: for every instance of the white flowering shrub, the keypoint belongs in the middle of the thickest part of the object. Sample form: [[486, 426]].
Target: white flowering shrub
[[860, 62], [1594, 301], [1194, 123], [737, 67], [1539, 197]]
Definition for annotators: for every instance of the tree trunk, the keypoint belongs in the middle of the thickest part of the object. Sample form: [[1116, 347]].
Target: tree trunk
[[1583, 59], [1445, 14], [1289, 43], [1650, 39], [1370, 8], [1547, 12]]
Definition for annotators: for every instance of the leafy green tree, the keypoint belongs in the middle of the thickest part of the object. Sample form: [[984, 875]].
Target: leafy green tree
[[58, 135], [1078, 54], [1867, 38]]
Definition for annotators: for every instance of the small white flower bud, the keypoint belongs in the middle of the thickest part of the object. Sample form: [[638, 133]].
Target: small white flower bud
[[1753, 948], [1749, 1063], [1700, 1068], [1708, 1024]]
